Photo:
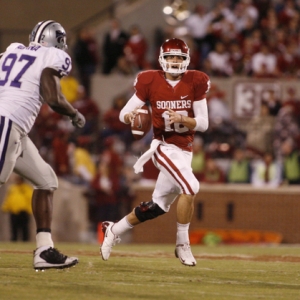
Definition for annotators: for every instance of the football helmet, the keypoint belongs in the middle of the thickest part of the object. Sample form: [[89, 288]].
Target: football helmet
[[176, 47], [49, 34]]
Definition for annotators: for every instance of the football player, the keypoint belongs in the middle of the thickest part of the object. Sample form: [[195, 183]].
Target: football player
[[29, 76], [178, 100]]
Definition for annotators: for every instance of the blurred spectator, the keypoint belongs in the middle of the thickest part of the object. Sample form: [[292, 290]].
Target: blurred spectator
[[248, 47], [112, 125], [218, 109], [264, 63], [158, 39], [293, 101], [291, 162], [113, 46], [272, 101], [266, 172], [199, 157], [278, 42], [112, 156], [239, 168], [288, 61], [250, 10], [218, 61], [89, 108], [17, 203], [260, 131], [85, 55], [222, 135], [252, 44], [243, 12], [212, 172], [249, 28], [113, 160], [236, 59], [197, 24], [135, 51], [102, 204], [82, 165], [286, 126], [269, 24], [60, 144], [45, 129], [288, 12], [69, 87]]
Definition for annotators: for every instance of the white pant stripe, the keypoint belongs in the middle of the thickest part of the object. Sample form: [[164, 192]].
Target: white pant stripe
[[175, 174]]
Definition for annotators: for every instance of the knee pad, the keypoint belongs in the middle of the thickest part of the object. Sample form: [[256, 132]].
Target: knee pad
[[48, 181], [147, 211]]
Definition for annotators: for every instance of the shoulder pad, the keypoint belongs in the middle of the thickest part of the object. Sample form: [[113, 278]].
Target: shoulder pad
[[14, 46], [59, 60], [146, 77], [201, 76], [197, 76]]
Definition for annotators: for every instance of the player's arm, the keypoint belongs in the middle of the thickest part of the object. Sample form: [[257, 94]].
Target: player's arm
[[129, 110], [201, 115], [51, 92]]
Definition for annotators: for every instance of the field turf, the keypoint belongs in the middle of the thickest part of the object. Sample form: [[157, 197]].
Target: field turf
[[153, 272]]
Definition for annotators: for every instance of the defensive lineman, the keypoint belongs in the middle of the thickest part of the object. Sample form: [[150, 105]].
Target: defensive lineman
[[179, 108], [30, 76]]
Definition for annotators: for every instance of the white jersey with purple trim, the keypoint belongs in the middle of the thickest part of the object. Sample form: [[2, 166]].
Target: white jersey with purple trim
[[20, 71]]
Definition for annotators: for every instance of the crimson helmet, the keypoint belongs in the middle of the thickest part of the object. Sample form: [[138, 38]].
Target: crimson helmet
[[177, 47]]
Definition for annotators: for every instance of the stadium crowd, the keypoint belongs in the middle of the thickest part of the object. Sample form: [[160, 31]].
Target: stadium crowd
[[254, 38]]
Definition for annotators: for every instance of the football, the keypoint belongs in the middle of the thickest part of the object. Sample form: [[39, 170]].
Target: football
[[141, 124]]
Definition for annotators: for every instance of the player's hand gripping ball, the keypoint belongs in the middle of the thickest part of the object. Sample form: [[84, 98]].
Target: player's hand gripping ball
[[141, 123]]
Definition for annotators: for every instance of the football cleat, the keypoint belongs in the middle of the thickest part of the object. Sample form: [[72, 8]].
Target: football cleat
[[51, 258], [184, 253], [109, 240]]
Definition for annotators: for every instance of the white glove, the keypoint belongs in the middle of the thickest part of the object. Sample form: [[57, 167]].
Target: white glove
[[78, 120]]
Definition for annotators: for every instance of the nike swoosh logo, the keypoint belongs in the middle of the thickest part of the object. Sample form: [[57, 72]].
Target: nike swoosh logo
[[182, 97]]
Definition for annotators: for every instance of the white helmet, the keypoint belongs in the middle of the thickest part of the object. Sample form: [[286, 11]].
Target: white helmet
[[177, 47], [49, 34]]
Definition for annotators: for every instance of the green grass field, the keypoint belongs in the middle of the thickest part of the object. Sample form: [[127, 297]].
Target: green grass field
[[153, 272]]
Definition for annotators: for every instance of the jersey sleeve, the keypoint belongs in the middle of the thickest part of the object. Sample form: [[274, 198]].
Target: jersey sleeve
[[60, 61], [201, 85]]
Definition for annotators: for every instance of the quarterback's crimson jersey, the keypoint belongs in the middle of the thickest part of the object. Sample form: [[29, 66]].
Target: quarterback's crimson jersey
[[153, 87]]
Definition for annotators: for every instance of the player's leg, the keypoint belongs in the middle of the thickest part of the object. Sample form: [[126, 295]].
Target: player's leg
[[145, 211], [10, 148], [164, 195], [176, 167], [31, 166]]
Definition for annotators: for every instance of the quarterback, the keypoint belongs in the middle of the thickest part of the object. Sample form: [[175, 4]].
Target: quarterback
[[179, 108], [30, 76]]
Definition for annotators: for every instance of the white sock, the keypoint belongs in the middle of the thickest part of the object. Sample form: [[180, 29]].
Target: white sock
[[121, 227], [182, 233], [44, 239]]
